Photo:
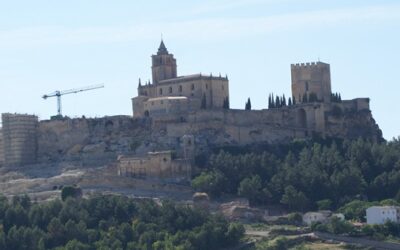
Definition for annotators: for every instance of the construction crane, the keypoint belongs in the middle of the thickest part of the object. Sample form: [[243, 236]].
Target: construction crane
[[59, 93]]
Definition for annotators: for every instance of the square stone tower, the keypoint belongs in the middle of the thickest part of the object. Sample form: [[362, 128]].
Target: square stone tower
[[311, 80], [163, 65]]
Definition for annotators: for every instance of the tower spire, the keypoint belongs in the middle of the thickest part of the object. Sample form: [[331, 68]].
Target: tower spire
[[162, 50]]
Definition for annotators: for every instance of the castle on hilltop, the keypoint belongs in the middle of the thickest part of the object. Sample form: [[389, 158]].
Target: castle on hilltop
[[173, 94], [176, 118]]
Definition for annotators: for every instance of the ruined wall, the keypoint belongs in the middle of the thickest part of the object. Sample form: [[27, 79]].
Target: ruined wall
[[19, 139], [154, 165]]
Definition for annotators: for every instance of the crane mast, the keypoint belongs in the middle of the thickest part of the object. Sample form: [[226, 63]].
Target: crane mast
[[59, 93]]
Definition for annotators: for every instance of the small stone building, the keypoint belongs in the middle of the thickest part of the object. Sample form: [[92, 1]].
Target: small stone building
[[155, 165]]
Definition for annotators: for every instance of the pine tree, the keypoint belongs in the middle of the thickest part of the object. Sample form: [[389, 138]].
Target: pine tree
[[290, 101], [277, 102], [294, 100]]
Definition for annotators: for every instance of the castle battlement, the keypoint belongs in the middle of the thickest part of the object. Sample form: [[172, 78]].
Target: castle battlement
[[308, 65]]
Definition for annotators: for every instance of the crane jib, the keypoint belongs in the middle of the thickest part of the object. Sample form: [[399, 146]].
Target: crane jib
[[59, 93]]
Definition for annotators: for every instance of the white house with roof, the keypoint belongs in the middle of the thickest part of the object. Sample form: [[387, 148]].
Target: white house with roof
[[382, 214], [322, 216]]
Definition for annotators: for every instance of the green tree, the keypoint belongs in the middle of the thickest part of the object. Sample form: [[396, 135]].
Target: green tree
[[355, 210], [295, 200], [70, 191], [251, 188], [211, 182], [248, 104], [325, 204], [76, 245], [338, 226]]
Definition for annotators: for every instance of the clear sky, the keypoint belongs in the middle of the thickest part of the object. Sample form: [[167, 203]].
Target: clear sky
[[56, 45]]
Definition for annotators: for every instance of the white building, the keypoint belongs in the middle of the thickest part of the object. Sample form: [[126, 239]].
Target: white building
[[321, 216], [311, 217], [381, 214]]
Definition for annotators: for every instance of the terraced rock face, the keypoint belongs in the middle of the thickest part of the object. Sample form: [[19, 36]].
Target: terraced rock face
[[45, 181]]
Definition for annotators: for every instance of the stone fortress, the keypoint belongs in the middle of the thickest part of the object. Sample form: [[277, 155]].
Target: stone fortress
[[176, 118]]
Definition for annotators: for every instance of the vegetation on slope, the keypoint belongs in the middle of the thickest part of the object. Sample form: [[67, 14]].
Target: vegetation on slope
[[111, 222], [306, 174]]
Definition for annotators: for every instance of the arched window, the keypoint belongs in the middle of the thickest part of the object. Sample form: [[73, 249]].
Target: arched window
[[160, 91], [180, 88], [306, 86], [170, 90], [192, 86]]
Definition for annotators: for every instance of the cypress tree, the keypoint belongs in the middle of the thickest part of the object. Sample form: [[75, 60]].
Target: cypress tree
[[248, 104], [204, 102], [269, 101]]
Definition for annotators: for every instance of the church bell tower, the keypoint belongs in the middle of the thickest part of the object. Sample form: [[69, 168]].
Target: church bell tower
[[163, 65]]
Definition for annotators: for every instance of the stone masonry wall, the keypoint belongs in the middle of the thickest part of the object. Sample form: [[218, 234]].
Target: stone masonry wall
[[91, 139], [311, 78], [1, 148], [19, 139]]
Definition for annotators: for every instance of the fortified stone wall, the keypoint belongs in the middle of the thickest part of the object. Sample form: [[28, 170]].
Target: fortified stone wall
[[103, 139], [19, 139], [91, 139], [1, 148], [275, 125], [244, 127]]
